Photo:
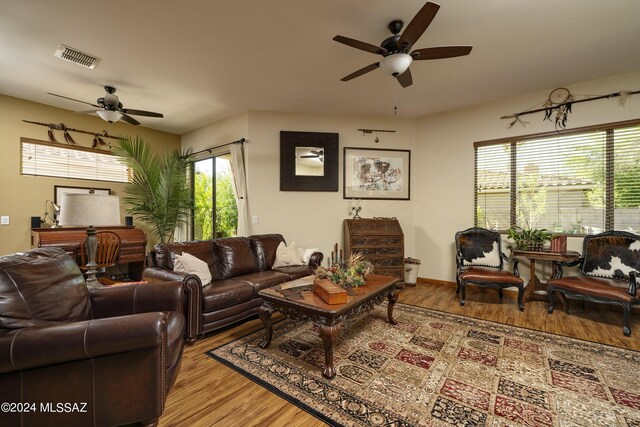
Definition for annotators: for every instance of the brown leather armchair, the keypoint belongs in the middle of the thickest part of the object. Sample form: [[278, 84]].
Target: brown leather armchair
[[480, 262], [609, 267], [70, 356]]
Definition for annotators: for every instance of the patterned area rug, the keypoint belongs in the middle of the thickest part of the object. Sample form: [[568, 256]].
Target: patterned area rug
[[440, 369]]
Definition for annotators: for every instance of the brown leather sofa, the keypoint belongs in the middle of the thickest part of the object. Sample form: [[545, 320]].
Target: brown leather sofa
[[239, 266], [74, 357]]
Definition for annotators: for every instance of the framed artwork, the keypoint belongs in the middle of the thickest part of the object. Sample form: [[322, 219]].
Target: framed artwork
[[59, 190], [371, 173], [308, 161]]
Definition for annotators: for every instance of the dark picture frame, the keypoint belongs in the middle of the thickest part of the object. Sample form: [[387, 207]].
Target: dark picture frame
[[325, 145], [382, 174]]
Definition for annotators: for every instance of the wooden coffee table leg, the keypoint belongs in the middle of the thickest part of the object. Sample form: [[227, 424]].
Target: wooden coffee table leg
[[265, 312], [329, 336], [393, 298]]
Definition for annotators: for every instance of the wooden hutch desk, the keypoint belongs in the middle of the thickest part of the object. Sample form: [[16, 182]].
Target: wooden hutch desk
[[132, 250]]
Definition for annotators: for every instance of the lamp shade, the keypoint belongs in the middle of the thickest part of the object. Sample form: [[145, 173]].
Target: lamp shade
[[83, 210], [109, 115], [396, 64]]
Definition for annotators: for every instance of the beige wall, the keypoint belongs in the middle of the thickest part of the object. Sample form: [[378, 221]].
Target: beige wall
[[311, 219], [442, 167], [24, 196], [443, 202]]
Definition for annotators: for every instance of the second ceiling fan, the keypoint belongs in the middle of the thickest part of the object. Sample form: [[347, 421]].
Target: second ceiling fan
[[396, 49]]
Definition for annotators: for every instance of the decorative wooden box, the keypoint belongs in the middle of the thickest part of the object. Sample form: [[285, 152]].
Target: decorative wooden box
[[559, 244], [381, 241], [329, 291]]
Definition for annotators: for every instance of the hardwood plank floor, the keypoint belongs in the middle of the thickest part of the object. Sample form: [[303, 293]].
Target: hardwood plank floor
[[208, 393]]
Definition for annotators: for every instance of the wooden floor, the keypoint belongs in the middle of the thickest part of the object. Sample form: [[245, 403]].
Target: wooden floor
[[208, 393]]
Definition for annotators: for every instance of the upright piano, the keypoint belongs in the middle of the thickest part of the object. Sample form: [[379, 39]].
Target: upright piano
[[132, 249]]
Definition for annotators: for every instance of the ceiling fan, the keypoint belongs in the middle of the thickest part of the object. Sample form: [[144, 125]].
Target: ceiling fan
[[110, 108], [396, 49], [315, 154]]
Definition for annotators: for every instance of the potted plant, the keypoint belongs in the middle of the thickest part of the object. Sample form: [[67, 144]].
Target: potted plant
[[158, 192], [528, 239]]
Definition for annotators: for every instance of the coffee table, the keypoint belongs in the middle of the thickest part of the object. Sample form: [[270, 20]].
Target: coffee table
[[328, 318]]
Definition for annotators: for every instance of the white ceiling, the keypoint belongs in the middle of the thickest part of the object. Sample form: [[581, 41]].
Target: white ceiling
[[198, 61]]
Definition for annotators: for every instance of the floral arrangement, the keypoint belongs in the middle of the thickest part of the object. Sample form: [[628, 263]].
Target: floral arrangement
[[411, 261], [352, 273], [529, 239]]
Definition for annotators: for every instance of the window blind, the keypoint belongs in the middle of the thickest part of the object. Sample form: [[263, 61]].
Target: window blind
[[41, 158], [571, 182], [493, 186]]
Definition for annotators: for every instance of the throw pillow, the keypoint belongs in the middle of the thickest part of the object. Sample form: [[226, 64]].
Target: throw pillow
[[287, 256], [187, 263], [305, 254]]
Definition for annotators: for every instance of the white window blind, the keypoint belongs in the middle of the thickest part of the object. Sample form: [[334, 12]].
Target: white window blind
[[493, 186], [41, 158], [626, 178], [572, 182]]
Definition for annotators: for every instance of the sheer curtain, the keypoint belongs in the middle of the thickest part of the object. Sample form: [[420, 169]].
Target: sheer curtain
[[240, 187]]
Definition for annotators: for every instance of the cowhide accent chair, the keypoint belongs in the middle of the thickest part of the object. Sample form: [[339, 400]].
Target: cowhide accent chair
[[480, 262], [609, 267]]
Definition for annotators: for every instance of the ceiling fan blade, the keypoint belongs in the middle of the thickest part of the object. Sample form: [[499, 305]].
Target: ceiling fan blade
[[418, 25], [130, 119], [440, 52], [361, 71], [72, 99], [405, 78], [86, 111], [367, 47], [141, 113], [309, 157]]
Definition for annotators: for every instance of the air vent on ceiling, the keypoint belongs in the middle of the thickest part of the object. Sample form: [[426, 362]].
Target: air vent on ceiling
[[74, 55]]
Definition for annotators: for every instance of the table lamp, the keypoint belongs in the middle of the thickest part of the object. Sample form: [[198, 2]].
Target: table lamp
[[90, 210]]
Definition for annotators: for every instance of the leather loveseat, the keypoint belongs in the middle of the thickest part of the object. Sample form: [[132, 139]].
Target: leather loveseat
[[74, 357], [239, 267]]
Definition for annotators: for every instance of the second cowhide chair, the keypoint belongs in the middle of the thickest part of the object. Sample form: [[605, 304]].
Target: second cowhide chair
[[608, 269], [480, 262]]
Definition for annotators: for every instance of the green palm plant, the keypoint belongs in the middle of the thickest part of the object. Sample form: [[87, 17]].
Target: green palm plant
[[158, 192]]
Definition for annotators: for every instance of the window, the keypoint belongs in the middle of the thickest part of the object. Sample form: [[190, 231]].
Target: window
[[209, 174], [574, 182], [41, 158]]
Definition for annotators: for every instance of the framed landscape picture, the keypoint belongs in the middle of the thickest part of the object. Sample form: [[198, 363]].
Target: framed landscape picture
[[376, 173]]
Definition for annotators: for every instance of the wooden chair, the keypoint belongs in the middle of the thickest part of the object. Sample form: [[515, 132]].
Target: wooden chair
[[480, 262], [107, 253], [609, 266]]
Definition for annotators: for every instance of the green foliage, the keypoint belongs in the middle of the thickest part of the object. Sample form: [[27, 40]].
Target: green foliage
[[626, 186], [203, 194], [528, 238], [158, 193], [226, 209]]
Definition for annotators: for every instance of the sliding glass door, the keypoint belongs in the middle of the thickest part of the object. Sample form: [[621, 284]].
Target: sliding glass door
[[215, 213]]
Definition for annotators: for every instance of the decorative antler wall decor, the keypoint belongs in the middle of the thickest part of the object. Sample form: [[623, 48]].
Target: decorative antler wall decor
[[97, 137], [560, 102], [365, 131]]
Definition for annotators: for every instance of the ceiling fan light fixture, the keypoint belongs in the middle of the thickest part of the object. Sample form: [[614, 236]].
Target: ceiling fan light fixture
[[396, 64], [109, 115]]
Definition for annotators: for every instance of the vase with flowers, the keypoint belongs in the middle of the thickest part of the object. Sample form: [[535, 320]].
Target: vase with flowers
[[349, 274]]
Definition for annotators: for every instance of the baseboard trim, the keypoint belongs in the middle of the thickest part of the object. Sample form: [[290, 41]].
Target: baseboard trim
[[435, 281]]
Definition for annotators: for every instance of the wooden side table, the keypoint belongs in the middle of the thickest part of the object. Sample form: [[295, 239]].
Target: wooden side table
[[536, 290]]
